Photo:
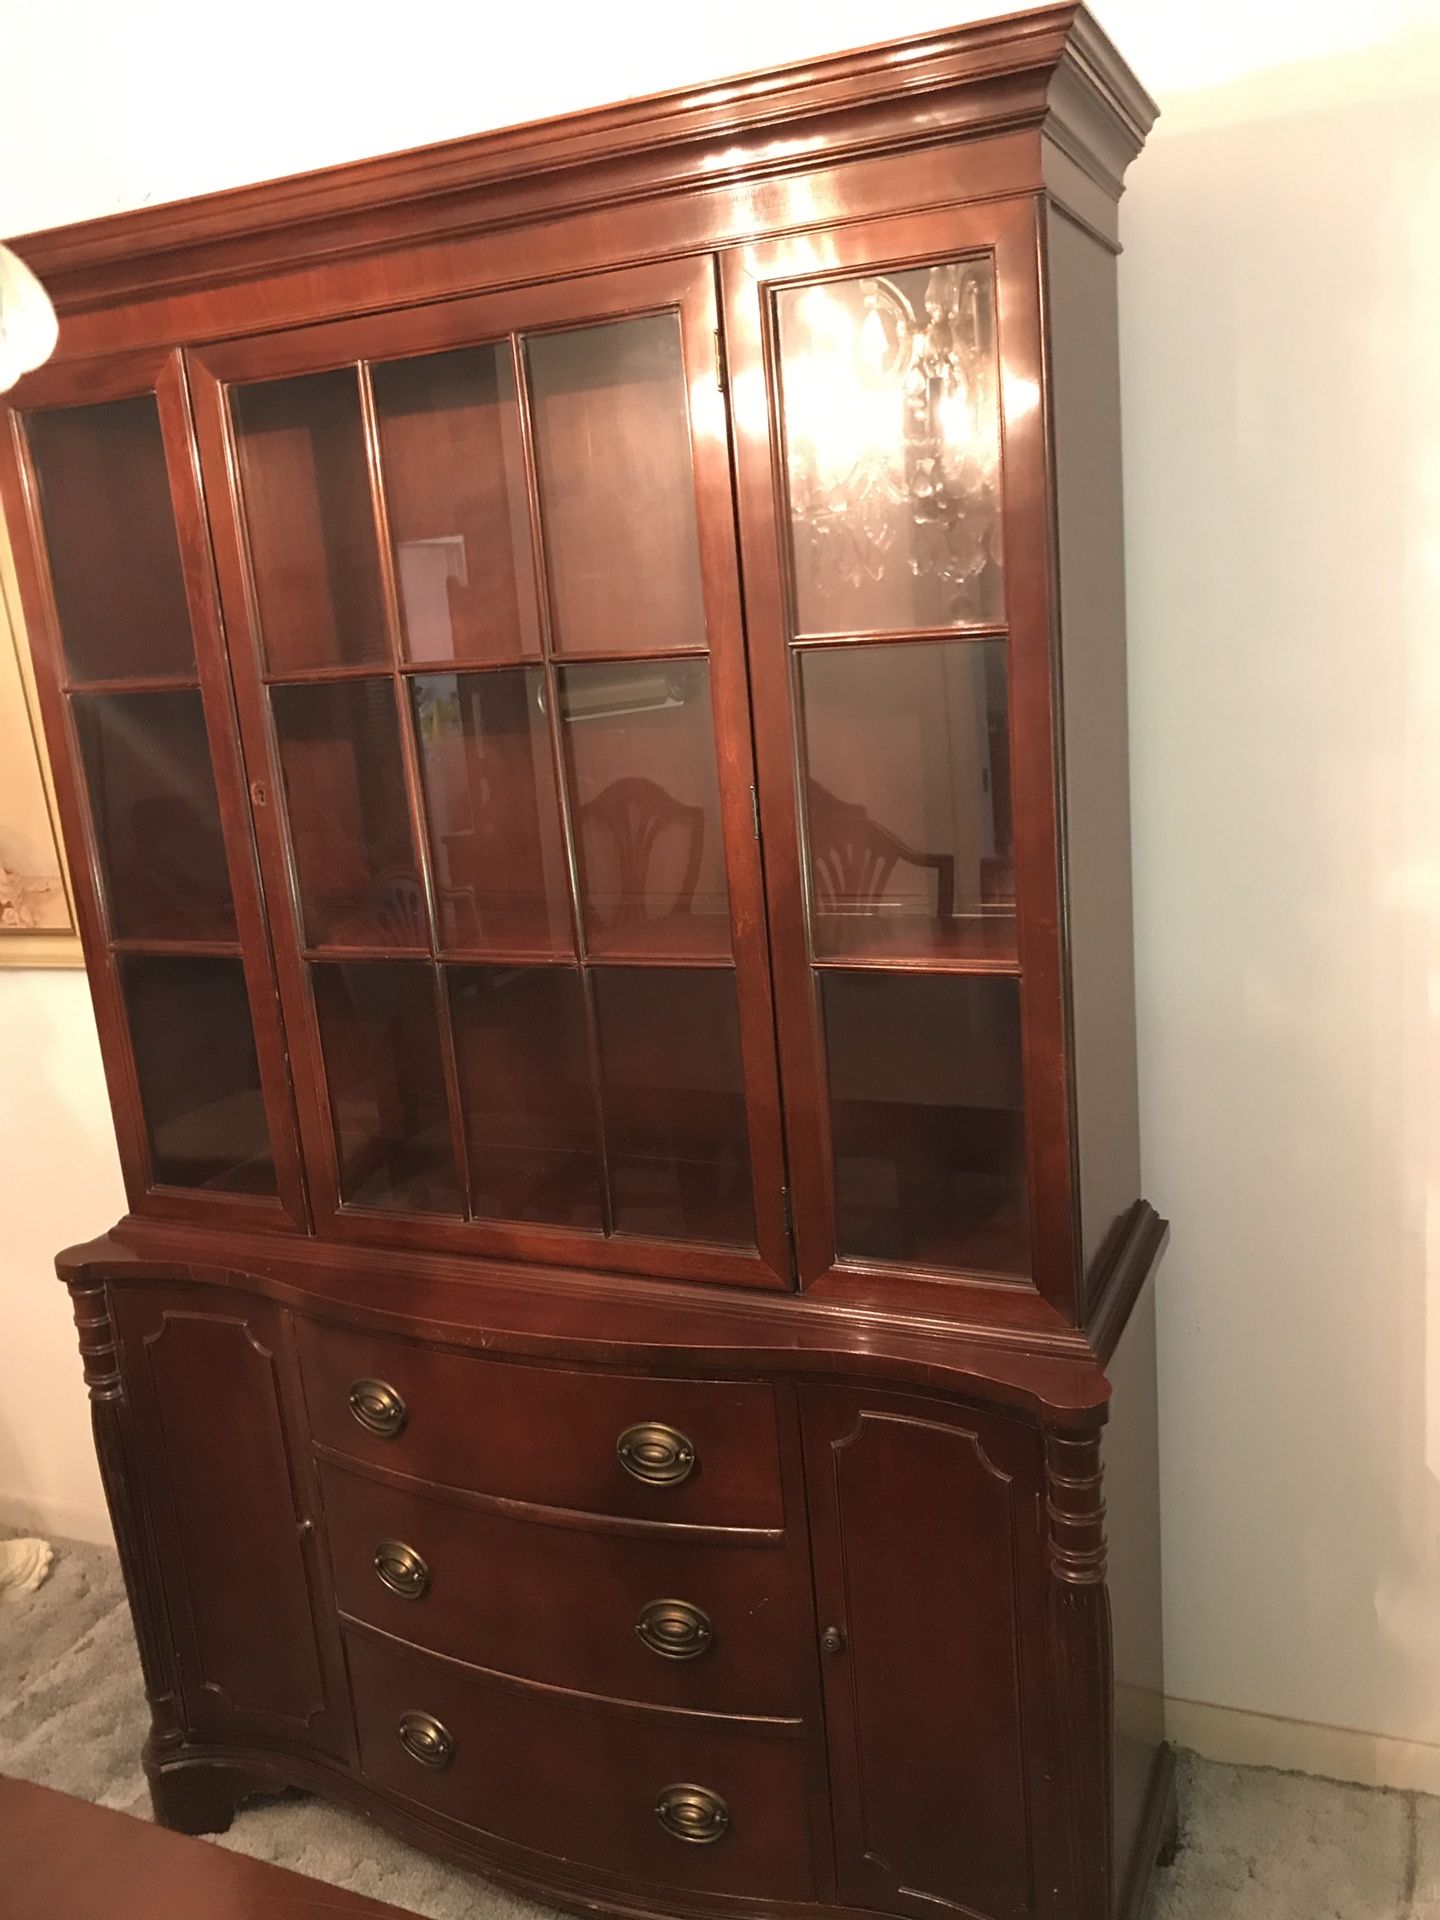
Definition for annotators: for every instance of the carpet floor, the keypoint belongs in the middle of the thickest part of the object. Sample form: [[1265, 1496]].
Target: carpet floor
[[1255, 1845]]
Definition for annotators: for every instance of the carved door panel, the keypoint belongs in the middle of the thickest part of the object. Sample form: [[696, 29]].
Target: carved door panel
[[206, 1375], [926, 1523]]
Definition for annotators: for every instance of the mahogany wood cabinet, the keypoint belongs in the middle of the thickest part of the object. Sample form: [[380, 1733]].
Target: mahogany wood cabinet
[[586, 670]]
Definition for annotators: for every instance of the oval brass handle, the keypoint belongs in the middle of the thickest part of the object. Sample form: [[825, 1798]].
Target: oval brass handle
[[674, 1629], [402, 1570], [656, 1454], [426, 1740], [693, 1813], [378, 1408]]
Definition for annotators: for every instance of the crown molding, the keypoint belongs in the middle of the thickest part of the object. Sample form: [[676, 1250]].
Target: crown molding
[[1051, 70]]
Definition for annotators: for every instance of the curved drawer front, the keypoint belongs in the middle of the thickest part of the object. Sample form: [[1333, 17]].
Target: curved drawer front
[[663, 1798], [574, 1606], [703, 1452]]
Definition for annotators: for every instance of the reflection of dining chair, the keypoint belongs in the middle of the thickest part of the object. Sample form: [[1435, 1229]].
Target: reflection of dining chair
[[400, 916], [630, 816], [852, 858]]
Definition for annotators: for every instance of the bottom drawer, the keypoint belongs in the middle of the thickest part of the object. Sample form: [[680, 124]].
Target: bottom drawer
[[657, 1796]]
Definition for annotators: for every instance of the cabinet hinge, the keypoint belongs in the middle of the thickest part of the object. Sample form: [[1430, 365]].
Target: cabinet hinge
[[755, 810], [721, 371], [789, 1213]]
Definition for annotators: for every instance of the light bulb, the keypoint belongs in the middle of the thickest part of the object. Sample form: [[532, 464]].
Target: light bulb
[[28, 326]]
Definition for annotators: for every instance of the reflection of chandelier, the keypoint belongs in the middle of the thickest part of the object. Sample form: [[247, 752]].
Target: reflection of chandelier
[[892, 430]]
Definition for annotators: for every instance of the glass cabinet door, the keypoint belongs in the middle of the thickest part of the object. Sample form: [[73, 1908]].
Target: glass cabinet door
[[889, 634], [485, 555], [133, 676]]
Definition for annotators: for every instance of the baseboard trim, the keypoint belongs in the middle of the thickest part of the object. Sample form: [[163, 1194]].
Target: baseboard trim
[[1155, 1842], [1301, 1746], [57, 1519]]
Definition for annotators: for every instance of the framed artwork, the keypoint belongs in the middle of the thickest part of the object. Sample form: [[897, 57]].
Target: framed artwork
[[37, 913]]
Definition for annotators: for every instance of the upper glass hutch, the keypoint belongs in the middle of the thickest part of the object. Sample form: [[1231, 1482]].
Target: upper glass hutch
[[463, 878]]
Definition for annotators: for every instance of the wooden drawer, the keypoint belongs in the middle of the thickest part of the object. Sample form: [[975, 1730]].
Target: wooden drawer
[[567, 1604], [570, 1777], [547, 1434]]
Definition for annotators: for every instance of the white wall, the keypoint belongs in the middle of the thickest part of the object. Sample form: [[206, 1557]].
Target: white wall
[[1281, 296], [1280, 306], [61, 1184]]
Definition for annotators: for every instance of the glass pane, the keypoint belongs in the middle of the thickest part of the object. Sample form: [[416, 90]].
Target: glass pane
[[459, 514], [674, 1103], [907, 757], [381, 1041], [892, 436], [525, 1088], [645, 806], [501, 883], [110, 535], [157, 821], [355, 862], [927, 1117], [617, 490], [305, 484], [199, 1078]]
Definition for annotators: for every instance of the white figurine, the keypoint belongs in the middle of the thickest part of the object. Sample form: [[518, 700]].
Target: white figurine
[[24, 1564]]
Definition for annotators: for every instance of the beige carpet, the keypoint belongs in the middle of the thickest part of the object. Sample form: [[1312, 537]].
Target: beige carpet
[[1255, 1845]]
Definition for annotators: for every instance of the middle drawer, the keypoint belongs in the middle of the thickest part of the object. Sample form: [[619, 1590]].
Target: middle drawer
[[662, 1619]]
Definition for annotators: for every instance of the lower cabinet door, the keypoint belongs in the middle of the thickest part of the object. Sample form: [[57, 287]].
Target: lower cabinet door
[[204, 1373], [926, 1528]]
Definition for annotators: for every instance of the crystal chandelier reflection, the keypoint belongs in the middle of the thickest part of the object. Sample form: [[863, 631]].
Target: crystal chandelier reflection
[[892, 431]]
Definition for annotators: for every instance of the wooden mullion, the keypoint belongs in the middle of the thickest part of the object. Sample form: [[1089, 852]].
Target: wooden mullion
[[562, 786], [257, 746], [231, 784], [414, 781], [732, 732]]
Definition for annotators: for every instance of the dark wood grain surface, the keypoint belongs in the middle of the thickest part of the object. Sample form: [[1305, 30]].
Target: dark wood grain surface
[[68, 1860]]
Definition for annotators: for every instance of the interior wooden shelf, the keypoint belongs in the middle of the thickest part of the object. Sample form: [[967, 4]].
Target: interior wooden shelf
[[201, 949], [135, 683], [978, 944]]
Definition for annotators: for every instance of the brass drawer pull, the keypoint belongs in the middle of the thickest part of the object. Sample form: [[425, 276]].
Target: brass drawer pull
[[694, 1814], [378, 1408], [425, 1740], [658, 1455], [402, 1570], [674, 1629]]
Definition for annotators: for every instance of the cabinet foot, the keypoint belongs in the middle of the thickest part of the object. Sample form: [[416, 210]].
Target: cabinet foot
[[200, 1798]]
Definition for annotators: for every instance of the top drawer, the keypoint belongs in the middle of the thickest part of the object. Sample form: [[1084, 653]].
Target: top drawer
[[703, 1452]]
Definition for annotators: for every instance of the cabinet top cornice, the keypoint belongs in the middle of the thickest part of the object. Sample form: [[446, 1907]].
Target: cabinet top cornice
[[1051, 69]]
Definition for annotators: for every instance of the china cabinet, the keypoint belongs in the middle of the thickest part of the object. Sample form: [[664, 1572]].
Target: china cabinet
[[586, 672]]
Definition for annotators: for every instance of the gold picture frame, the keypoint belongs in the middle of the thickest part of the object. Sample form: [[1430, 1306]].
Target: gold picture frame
[[38, 927]]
